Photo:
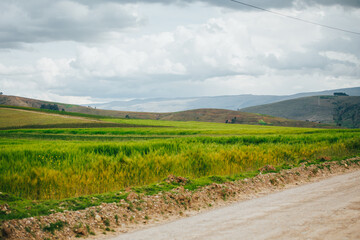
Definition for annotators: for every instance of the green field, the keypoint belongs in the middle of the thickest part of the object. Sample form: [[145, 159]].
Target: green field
[[20, 117], [44, 164]]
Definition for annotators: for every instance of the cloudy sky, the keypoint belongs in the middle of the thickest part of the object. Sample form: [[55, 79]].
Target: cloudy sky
[[81, 51]]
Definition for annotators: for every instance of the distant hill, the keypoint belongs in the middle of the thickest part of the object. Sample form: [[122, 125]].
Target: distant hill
[[234, 102], [204, 115], [234, 117], [340, 110]]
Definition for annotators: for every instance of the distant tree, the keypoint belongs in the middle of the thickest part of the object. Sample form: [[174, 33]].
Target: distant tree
[[63, 110], [53, 107], [1, 93], [127, 116], [227, 121], [340, 94]]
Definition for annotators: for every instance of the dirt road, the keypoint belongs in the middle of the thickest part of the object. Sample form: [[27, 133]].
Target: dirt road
[[329, 209]]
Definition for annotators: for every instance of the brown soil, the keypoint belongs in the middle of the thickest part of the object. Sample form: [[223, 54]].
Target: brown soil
[[141, 211]]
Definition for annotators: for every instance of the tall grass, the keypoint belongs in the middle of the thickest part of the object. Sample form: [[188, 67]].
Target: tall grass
[[59, 169]]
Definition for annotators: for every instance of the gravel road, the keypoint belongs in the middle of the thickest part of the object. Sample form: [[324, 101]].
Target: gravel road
[[329, 209]]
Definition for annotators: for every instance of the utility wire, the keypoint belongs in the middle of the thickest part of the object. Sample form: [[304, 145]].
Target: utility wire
[[295, 18]]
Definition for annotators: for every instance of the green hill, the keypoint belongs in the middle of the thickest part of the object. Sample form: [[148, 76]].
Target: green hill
[[22, 117], [337, 110], [235, 117], [202, 115]]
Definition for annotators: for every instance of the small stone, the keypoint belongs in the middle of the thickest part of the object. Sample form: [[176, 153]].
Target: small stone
[[81, 231], [5, 208], [132, 196], [267, 168], [97, 218]]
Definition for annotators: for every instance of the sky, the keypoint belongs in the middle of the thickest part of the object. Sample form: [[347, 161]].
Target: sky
[[80, 52]]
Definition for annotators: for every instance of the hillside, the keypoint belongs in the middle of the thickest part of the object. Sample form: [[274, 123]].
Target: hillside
[[204, 115], [18, 118], [13, 118], [231, 102], [236, 117], [340, 110]]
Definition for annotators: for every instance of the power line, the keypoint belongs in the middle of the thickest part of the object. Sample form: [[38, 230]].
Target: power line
[[295, 18]]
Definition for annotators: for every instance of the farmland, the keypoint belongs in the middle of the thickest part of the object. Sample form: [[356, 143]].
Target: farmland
[[18, 118], [200, 115], [46, 164]]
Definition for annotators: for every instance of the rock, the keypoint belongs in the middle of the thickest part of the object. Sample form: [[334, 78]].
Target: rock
[[97, 218], [81, 231], [132, 196], [177, 180], [6, 231], [5, 208], [267, 168]]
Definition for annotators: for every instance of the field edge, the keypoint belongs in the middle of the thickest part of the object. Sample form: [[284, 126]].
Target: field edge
[[175, 197]]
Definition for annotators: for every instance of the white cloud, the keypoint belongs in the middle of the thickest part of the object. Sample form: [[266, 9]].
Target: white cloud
[[233, 44], [232, 52]]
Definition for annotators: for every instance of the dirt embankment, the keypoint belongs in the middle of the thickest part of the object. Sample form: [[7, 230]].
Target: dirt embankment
[[140, 211], [327, 209]]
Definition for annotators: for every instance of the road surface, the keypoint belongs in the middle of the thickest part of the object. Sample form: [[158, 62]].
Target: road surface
[[329, 209]]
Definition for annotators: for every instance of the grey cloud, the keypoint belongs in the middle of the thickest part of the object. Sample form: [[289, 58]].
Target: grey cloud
[[288, 3], [43, 21], [311, 61], [83, 21], [349, 3], [259, 3], [296, 60], [121, 88], [338, 44]]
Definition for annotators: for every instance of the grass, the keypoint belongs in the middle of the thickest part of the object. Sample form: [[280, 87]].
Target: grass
[[56, 169], [73, 114], [22, 208], [16, 118], [59, 169], [52, 227]]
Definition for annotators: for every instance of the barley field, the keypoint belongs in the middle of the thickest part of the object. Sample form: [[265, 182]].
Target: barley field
[[58, 163]]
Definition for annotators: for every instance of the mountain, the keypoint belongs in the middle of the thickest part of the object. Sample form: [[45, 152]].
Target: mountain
[[181, 104], [234, 102], [204, 115], [339, 110]]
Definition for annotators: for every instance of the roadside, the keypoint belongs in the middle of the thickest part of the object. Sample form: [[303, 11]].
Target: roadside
[[140, 211], [328, 209]]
